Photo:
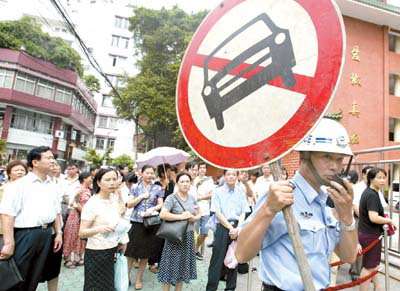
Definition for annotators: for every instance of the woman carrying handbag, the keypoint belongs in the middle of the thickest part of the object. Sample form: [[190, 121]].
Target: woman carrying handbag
[[178, 262], [146, 199]]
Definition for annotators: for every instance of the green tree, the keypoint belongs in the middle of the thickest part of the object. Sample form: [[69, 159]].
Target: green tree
[[124, 160], [107, 159], [3, 145], [94, 159], [161, 38], [92, 83], [26, 34]]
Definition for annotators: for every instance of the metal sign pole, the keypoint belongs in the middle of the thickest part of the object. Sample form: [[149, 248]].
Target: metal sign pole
[[293, 231], [386, 247]]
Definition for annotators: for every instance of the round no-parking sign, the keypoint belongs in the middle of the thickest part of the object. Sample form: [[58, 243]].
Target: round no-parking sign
[[257, 76]]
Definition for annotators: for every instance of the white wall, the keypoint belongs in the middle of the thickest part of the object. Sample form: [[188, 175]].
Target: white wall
[[19, 136]]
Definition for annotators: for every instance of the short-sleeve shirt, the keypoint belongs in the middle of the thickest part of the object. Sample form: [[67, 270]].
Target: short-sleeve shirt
[[262, 184], [370, 202], [230, 202], [155, 191], [103, 212], [31, 201], [206, 187], [319, 233], [190, 204], [359, 189]]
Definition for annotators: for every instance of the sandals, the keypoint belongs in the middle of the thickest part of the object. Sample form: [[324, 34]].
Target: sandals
[[138, 286], [81, 262], [69, 265]]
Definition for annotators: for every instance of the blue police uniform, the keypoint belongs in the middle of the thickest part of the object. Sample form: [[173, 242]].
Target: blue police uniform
[[319, 232]]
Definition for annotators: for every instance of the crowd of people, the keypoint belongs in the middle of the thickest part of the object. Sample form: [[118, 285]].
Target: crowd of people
[[85, 218]]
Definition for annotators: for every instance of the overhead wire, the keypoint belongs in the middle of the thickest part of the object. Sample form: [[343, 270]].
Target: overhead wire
[[69, 25]]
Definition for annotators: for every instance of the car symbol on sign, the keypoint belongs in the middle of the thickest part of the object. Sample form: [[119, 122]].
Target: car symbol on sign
[[276, 50]]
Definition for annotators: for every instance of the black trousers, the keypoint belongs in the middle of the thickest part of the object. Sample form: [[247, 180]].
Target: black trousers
[[221, 244], [355, 269], [31, 249]]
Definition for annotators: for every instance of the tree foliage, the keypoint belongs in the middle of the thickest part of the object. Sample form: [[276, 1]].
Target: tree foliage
[[92, 83], [93, 158], [3, 145], [27, 34], [96, 160], [124, 160], [161, 38], [108, 160]]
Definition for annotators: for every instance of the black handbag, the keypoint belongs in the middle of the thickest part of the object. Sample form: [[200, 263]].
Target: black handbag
[[151, 221], [9, 273], [173, 230]]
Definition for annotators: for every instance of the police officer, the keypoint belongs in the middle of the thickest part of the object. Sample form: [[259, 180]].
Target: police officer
[[321, 157]]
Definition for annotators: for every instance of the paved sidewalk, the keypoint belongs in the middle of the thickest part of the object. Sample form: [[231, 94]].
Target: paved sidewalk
[[72, 280]]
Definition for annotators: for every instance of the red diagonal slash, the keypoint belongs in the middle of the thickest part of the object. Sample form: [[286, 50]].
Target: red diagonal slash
[[216, 64]]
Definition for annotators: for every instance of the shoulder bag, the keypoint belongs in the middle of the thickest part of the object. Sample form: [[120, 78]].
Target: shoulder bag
[[9, 273], [173, 230]]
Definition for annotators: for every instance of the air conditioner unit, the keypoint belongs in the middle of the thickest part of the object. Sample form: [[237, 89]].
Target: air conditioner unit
[[59, 134]]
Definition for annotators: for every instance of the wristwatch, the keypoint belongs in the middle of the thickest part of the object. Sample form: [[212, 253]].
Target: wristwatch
[[59, 232], [350, 227]]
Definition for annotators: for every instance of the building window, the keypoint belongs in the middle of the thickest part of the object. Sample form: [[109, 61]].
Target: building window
[[108, 122], [391, 128], [114, 41], [116, 81], [103, 121], [107, 101], [110, 142], [113, 123], [394, 43], [45, 89], [124, 42], [394, 84], [112, 79], [32, 121], [74, 101], [78, 104], [25, 83], [6, 78], [120, 42], [117, 60], [121, 22], [100, 143], [63, 95]]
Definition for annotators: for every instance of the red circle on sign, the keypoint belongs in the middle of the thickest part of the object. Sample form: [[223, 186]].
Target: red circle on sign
[[318, 90]]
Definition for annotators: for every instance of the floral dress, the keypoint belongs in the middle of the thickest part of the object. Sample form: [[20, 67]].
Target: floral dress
[[72, 242]]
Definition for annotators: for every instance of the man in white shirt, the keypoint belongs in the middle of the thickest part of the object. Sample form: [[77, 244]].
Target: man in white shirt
[[204, 186], [263, 182], [30, 211], [243, 184]]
